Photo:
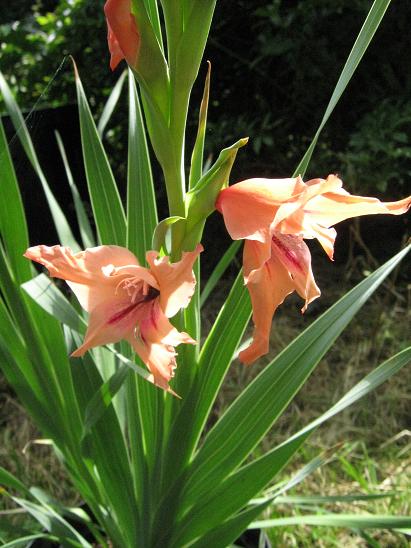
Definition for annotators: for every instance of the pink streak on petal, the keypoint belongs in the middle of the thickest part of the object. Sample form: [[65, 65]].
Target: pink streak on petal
[[109, 322], [295, 256]]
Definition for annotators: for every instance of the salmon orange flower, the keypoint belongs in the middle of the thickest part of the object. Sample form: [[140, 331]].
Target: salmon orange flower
[[126, 300], [273, 216], [123, 37]]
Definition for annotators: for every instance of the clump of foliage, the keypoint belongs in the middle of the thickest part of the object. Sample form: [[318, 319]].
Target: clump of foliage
[[36, 37]]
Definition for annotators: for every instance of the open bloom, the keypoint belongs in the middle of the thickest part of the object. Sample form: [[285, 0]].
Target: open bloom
[[123, 37], [273, 216], [126, 300]]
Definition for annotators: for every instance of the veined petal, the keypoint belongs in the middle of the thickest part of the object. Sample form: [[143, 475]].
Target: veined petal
[[295, 256], [333, 207], [268, 286], [81, 267], [110, 322], [154, 341], [160, 360], [290, 216], [123, 36], [250, 206], [85, 272], [176, 280], [154, 326]]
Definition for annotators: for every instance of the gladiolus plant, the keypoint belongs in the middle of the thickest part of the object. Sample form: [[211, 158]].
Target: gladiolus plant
[[115, 369]]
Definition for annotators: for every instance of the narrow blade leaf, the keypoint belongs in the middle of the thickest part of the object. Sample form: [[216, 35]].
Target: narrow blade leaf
[[105, 199]]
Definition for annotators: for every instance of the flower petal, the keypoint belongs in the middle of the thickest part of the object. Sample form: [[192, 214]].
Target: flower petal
[[249, 207], [290, 216], [86, 271], [268, 286], [295, 256], [334, 207], [176, 280], [123, 36], [160, 360], [110, 322], [154, 342]]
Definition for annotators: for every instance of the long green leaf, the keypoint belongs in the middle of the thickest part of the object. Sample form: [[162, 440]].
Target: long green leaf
[[215, 358], [7, 479], [106, 447], [261, 403], [208, 517], [54, 523], [28, 539], [103, 397], [144, 402], [105, 199], [13, 226], [227, 532], [241, 485], [141, 202], [86, 231], [214, 361], [46, 349], [111, 104], [360, 46], [303, 500], [354, 521], [43, 291], [196, 170], [234, 492], [62, 226]]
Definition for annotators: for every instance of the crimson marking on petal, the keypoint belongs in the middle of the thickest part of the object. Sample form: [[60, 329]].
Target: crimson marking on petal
[[122, 314], [289, 255]]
